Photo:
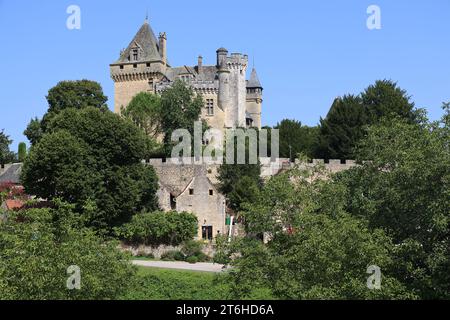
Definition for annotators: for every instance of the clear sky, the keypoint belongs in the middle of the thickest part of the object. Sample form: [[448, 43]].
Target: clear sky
[[306, 52]]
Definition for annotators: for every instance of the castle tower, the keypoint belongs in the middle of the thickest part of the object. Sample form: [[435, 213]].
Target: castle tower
[[163, 47], [237, 63], [140, 66], [254, 100], [223, 99]]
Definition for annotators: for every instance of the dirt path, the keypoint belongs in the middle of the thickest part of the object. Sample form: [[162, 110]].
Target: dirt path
[[206, 267]]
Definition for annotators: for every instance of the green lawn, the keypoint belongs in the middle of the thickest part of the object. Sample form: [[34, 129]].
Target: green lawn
[[165, 284]]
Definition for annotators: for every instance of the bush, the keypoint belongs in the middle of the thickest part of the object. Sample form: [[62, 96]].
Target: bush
[[174, 255], [192, 259], [37, 247], [202, 257], [192, 248], [159, 228]]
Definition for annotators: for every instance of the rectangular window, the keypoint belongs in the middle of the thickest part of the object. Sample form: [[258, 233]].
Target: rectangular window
[[207, 232], [191, 192], [209, 107], [135, 55], [211, 192]]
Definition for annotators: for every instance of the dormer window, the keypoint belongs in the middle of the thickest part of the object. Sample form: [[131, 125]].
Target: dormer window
[[135, 54]]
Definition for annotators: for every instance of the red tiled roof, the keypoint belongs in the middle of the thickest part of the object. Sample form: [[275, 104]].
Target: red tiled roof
[[12, 204]]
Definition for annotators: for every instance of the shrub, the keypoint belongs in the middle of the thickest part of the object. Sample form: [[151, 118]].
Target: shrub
[[192, 259], [202, 257], [173, 255], [192, 248], [38, 245], [159, 228]]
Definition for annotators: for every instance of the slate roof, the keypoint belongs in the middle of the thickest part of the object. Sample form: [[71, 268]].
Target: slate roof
[[147, 42], [11, 173], [209, 73], [254, 80]]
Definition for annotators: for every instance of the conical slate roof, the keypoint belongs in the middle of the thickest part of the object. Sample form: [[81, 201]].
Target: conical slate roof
[[145, 40], [254, 80]]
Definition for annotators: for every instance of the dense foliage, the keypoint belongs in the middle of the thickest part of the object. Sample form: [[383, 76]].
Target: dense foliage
[[22, 152], [78, 94], [345, 124], [180, 109], [92, 158], [144, 111], [296, 139], [5, 153], [342, 129], [239, 183], [156, 228], [405, 190], [391, 212], [38, 246]]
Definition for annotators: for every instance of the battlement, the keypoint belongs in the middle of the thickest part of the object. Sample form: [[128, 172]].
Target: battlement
[[269, 167], [136, 71], [237, 60]]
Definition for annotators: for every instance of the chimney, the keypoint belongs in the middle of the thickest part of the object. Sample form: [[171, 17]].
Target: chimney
[[200, 64], [162, 46]]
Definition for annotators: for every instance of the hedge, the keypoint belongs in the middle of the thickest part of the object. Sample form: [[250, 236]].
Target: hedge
[[158, 228]]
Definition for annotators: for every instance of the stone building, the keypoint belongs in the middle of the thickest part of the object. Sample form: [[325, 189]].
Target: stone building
[[230, 100], [190, 188]]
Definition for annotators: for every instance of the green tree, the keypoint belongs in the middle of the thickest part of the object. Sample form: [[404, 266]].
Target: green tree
[[342, 128], [314, 249], [34, 131], [386, 99], [5, 154], [76, 94], [296, 139], [180, 109], [404, 189], [67, 94], [38, 246], [22, 152], [144, 111], [234, 178], [93, 157]]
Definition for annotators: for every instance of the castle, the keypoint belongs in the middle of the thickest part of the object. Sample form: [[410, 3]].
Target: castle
[[230, 100]]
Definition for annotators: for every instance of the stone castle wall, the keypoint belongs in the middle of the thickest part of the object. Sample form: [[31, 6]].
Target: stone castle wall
[[180, 174]]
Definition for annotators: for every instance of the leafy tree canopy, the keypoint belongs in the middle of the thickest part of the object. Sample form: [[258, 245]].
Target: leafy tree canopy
[[296, 139], [92, 158], [342, 128], [404, 189], [66, 94], [38, 246], [5, 153]]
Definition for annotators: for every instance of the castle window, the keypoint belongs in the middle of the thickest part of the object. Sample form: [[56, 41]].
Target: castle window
[[209, 107], [211, 192], [135, 65], [121, 67], [148, 65], [135, 54], [191, 192]]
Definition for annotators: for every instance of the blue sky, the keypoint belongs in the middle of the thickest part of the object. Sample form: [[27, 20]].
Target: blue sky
[[306, 52]]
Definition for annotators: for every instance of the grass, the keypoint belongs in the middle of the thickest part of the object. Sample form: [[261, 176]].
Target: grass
[[168, 284]]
